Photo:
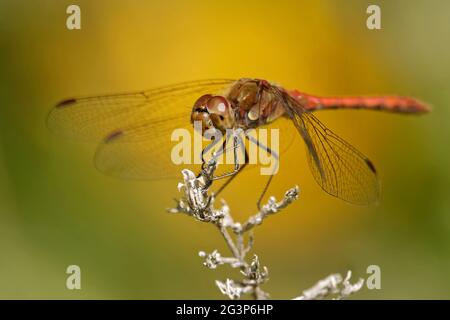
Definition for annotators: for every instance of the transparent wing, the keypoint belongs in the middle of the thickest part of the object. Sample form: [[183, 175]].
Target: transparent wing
[[339, 168], [144, 151], [93, 118], [134, 130]]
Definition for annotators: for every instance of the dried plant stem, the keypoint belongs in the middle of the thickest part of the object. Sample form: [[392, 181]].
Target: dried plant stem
[[198, 203], [236, 252]]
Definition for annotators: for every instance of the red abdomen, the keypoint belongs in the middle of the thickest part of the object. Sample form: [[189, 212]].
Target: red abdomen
[[385, 103]]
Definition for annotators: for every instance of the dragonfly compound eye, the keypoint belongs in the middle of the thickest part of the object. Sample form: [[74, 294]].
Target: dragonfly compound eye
[[218, 105], [220, 112], [200, 113], [200, 104]]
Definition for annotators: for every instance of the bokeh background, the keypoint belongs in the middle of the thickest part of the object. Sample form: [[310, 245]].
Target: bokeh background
[[57, 210]]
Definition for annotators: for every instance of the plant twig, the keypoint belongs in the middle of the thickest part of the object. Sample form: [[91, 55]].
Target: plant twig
[[199, 204], [332, 286]]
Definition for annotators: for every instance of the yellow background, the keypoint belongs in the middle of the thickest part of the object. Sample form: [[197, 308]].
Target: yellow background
[[57, 210]]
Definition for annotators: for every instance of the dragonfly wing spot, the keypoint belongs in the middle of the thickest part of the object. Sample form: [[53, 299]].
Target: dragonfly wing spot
[[370, 165], [113, 136], [66, 103]]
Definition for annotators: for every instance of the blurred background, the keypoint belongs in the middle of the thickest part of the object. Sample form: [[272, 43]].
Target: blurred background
[[56, 209]]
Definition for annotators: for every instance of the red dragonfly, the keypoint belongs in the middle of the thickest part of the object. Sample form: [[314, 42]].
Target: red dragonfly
[[134, 129]]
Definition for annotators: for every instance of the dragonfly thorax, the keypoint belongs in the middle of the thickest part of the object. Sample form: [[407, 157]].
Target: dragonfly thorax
[[256, 102]]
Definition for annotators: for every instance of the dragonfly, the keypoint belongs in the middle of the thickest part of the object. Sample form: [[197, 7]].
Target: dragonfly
[[133, 129]]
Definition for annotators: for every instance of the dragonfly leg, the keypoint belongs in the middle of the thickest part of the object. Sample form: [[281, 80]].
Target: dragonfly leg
[[271, 153], [207, 148], [233, 176], [237, 143]]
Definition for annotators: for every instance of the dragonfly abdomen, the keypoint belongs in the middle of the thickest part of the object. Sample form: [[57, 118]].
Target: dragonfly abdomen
[[396, 104]]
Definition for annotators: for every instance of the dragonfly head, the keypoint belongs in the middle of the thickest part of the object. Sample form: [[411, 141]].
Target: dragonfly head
[[213, 112]]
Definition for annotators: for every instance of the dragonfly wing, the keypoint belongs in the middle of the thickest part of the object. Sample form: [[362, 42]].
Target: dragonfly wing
[[134, 130], [144, 151], [93, 118], [338, 167]]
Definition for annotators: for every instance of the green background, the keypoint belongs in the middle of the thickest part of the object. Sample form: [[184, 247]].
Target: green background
[[57, 210]]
